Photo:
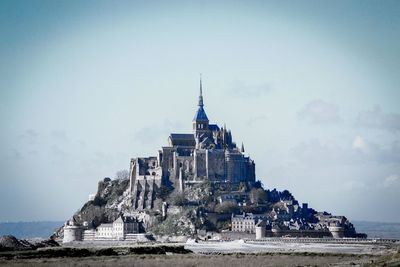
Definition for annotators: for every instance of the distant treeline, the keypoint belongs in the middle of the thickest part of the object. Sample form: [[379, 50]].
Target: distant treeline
[[29, 229]]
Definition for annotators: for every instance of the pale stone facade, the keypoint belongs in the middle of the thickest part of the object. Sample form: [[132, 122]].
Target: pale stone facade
[[245, 222], [118, 229], [121, 229], [72, 232]]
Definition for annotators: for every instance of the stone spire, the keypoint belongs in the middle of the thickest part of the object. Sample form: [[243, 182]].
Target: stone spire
[[201, 114], [242, 149], [200, 120], [201, 104]]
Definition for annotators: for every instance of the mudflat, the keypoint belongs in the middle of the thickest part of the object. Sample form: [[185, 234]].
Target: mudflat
[[227, 254], [232, 260]]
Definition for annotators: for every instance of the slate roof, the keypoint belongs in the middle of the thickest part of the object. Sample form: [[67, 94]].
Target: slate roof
[[182, 139], [200, 115], [106, 225], [213, 127], [126, 219], [176, 136]]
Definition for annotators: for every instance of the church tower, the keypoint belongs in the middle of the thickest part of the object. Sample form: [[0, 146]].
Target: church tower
[[200, 120]]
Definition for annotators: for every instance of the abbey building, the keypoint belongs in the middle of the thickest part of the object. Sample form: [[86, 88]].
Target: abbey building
[[208, 154]]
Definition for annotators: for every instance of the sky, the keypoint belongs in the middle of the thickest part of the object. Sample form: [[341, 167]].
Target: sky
[[311, 88]]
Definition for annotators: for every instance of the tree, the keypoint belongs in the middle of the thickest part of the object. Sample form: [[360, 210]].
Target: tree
[[258, 195], [258, 184], [286, 195], [122, 175], [226, 207], [179, 199]]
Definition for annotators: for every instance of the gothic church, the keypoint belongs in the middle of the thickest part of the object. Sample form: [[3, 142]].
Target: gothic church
[[206, 154]]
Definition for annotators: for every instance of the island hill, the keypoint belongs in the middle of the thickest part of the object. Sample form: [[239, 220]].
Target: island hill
[[200, 185]]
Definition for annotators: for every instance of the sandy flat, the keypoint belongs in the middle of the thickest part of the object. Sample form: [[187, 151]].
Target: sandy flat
[[239, 246]]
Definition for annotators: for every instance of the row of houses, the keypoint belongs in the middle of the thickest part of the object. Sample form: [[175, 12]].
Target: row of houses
[[263, 225]]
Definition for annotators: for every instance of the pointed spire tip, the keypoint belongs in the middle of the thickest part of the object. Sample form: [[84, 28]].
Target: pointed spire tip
[[201, 104]]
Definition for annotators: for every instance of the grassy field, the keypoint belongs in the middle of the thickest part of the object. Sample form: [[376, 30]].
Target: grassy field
[[177, 260], [176, 256]]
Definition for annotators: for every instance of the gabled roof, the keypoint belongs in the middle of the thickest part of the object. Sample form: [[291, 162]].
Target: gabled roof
[[182, 140], [124, 219], [119, 220], [200, 115]]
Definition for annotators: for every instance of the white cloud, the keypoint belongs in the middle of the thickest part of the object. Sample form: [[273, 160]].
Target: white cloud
[[392, 180], [256, 119], [360, 144], [320, 112], [315, 152], [242, 89], [30, 136], [377, 119], [157, 132], [351, 185]]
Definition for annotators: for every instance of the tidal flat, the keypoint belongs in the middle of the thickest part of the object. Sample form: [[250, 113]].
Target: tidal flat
[[179, 255], [177, 260]]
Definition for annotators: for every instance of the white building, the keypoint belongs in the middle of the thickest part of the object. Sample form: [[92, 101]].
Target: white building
[[118, 229], [245, 222]]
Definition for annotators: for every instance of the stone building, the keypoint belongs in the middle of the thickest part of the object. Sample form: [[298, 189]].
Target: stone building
[[118, 229], [246, 222], [207, 154], [121, 229]]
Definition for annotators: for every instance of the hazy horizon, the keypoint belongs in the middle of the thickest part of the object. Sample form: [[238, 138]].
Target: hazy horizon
[[311, 88]]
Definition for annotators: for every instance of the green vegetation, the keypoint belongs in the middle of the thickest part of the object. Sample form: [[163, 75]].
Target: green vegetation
[[178, 199], [226, 207], [174, 224]]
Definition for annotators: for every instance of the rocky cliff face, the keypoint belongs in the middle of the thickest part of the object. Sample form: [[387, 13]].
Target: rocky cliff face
[[111, 200], [200, 207]]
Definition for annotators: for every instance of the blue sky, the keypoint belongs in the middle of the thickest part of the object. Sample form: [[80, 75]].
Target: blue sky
[[311, 88]]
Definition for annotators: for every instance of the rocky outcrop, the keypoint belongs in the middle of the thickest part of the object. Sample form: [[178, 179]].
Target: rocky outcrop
[[11, 243], [112, 199]]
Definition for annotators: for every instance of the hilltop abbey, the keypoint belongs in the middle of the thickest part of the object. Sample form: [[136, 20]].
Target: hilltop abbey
[[208, 154], [200, 184]]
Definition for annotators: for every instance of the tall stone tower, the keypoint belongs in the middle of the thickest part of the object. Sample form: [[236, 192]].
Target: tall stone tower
[[200, 120]]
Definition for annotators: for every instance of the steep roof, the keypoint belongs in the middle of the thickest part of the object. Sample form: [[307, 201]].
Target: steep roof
[[200, 115], [119, 220]]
